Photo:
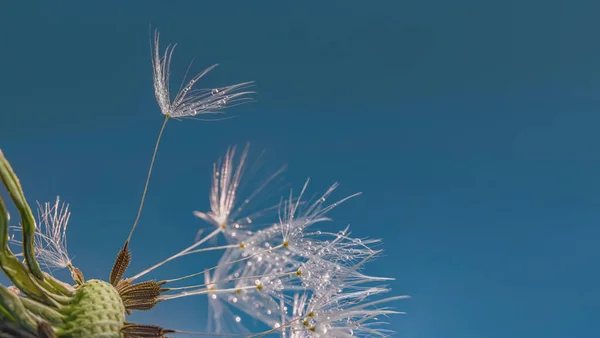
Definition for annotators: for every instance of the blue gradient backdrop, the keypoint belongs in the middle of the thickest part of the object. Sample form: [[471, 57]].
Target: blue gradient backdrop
[[470, 126]]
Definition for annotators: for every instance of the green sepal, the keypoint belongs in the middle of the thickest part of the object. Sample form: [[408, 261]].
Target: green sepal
[[57, 286], [13, 306], [11, 182], [43, 311], [20, 277]]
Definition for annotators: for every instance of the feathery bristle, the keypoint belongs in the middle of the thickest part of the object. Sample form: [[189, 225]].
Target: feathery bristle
[[141, 296], [123, 283], [121, 264], [141, 304], [131, 330]]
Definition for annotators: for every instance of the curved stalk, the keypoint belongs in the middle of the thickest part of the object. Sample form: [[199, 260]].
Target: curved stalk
[[12, 184], [137, 218], [12, 267]]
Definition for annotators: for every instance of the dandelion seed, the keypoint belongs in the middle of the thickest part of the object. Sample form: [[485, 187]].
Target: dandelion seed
[[339, 313], [190, 102], [224, 188], [225, 210], [51, 239], [51, 235]]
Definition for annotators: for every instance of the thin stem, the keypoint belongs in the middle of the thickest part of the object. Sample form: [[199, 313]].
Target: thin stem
[[261, 334], [181, 253], [204, 291], [192, 333], [230, 280], [221, 265], [137, 218], [222, 247]]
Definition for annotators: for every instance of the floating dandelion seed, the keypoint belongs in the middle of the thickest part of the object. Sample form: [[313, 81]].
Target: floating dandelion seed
[[190, 102]]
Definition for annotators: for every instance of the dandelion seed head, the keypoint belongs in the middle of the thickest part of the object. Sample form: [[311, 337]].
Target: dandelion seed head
[[300, 281]]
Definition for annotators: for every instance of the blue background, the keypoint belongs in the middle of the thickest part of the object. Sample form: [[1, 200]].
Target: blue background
[[470, 126]]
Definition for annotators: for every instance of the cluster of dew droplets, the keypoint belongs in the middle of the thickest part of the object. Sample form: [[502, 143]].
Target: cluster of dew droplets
[[264, 267], [210, 104]]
